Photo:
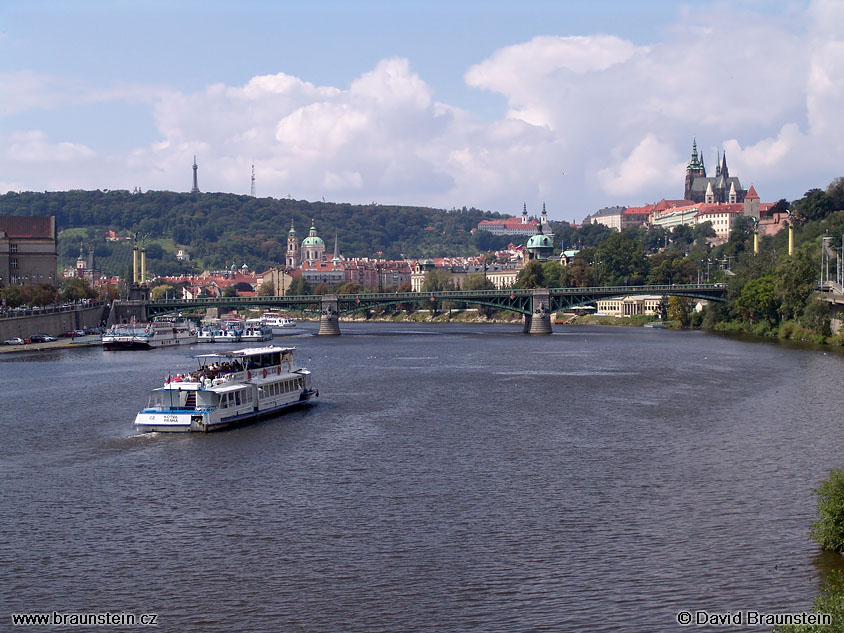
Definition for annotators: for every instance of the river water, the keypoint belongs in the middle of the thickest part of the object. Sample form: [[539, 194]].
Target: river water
[[449, 478]]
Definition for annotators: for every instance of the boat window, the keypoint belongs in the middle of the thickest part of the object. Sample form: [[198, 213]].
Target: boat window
[[237, 397]]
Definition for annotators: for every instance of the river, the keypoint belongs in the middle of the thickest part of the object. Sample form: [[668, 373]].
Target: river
[[449, 478]]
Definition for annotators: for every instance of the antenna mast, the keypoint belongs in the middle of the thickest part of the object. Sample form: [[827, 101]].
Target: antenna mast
[[252, 191]]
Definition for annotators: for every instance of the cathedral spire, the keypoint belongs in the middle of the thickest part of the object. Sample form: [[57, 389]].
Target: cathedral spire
[[724, 171], [718, 164], [694, 163]]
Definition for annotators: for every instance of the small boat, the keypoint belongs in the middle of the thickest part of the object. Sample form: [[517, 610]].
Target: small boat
[[221, 331], [277, 322], [656, 325], [227, 389], [255, 331], [149, 335]]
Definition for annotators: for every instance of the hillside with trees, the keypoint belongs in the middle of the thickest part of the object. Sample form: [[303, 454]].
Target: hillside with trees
[[219, 229]]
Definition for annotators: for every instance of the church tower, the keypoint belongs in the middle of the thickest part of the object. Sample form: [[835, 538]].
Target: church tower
[[694, 169], [291, 260]]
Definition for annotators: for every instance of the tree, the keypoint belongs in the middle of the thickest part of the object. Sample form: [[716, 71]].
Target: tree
[[230, 291], [161, 292], [348, 288], [480, 282], [701, 232], [816, 317], [532, 276], [796, 281], [663, 308], [682, 234], [621, 260], [13, 296], [77, 288], [436, 280], [266, 289], [758, 300], [828, 529], [814, 205], [680, 310], [298, 287], [579, 273]]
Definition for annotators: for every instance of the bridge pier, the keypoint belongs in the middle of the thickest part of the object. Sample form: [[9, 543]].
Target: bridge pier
[[539, 321], [329, 323], [123, 311]]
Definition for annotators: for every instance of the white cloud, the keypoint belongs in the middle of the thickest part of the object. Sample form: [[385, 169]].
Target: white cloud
[[644, 168], [33, 147]]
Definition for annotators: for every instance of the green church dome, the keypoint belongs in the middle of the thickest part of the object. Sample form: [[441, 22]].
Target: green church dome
[[539, 241], [313, 240], [540, 246]]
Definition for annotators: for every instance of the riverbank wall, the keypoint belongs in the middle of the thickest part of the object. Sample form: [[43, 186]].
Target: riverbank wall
[[53, 323]]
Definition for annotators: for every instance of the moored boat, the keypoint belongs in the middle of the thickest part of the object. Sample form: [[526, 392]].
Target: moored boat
[[279, 323], [228, 388], [255, 331], [149, 335]]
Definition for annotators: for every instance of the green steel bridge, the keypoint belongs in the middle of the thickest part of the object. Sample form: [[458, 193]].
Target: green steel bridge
[[535, 304]]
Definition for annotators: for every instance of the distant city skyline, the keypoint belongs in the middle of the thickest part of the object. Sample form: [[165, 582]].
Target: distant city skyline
[[580, 105]]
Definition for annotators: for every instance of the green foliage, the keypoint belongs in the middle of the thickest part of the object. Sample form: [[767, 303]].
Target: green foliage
[[266, 289], [219, 229], [298, 287], [162, 291], [77, 288], [436, 280], [796, 280], [621, 260], [816, 317], [828, 530], [532, 276], [758, 300], [831, 601], [813, 206], [478, 282], [680, 309], [579, 273]]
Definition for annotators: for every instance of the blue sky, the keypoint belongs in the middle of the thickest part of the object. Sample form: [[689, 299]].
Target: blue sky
[[486, 104]]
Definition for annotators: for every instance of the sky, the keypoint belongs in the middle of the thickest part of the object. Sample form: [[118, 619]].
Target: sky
[[478, 103]]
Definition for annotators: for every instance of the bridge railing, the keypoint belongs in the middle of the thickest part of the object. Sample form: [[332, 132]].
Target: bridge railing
[[441, 294], [655, 289]]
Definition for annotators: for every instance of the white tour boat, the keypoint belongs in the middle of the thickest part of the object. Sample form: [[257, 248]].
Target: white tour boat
[[149, 335], [228, 388], [255, 331], [277, 322]]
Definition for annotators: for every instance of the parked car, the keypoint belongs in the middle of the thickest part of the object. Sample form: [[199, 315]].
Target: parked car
[[13, 341], [41, 338]]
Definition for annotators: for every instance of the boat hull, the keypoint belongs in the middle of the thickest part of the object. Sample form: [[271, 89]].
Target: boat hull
[[205, 421]]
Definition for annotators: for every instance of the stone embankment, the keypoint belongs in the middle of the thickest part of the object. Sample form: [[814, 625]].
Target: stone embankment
[[52, 321]]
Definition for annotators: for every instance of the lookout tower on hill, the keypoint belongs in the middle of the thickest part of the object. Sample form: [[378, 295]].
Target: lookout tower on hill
[[195, 188]]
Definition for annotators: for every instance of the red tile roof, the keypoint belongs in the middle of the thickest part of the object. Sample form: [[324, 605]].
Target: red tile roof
[[751, 194]]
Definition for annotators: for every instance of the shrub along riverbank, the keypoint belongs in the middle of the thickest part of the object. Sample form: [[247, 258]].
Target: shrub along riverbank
[[828, 531]]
